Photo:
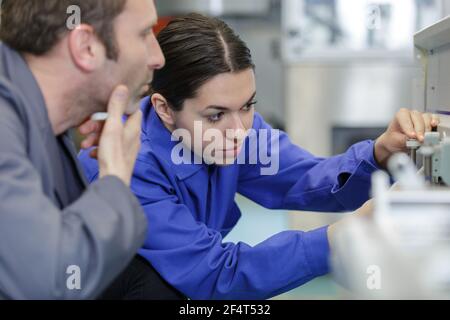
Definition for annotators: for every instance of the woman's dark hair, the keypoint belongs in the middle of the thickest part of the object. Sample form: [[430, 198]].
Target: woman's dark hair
[[197, 48]]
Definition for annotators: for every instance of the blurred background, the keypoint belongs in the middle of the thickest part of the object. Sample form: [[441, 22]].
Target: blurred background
[[330, 73]]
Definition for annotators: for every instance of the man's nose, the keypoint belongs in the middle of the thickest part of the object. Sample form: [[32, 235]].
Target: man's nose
[[157, 59]]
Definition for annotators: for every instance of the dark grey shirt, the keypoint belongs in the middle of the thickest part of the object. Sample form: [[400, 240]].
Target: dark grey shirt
[[50, 219]]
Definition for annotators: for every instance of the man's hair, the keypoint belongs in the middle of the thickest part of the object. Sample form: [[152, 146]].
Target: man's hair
[[36, 26], [197, 48]]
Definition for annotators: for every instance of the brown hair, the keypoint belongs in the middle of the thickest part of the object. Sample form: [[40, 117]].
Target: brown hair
[[196, 49], [35, 26]]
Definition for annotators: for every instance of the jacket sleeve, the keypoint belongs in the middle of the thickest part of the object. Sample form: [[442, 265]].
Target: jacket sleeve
[[39, 244], [195, 259], [300, 181]]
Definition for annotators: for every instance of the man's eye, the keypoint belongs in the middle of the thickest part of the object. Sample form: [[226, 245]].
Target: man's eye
[[146, 33], [216, 117]]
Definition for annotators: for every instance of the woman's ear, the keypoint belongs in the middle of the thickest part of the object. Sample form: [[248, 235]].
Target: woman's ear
[[163, 110]]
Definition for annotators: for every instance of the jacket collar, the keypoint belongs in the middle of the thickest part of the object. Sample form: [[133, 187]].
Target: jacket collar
[[160, 140], [15, 70]]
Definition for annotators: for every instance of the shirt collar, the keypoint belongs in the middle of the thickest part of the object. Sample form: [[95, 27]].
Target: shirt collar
[[160, 140]]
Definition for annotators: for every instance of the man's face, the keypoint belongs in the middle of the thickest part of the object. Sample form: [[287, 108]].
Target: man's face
[[139, 51], [224, 104]]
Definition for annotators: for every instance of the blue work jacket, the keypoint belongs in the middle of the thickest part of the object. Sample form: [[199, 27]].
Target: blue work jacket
[[191, 207]]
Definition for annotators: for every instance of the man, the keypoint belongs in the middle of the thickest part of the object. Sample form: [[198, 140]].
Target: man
[[60, 239]]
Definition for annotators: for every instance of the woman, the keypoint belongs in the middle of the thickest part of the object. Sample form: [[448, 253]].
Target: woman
[[200, 139]]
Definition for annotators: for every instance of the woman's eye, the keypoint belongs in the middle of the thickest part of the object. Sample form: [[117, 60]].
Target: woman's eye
[[216, 117], [249, 106]]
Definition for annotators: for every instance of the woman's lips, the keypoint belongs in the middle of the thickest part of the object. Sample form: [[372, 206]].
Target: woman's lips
[[233, 152]]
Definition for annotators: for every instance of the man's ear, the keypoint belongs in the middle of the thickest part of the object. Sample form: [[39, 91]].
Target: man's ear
[[87, 51], [163, 109]]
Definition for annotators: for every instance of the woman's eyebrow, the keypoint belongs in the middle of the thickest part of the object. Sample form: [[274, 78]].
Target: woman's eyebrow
[[222, 108], [217, 108]]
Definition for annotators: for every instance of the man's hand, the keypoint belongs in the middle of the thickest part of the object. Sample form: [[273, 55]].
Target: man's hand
[[406, 125], [92, 131], [118, 143]]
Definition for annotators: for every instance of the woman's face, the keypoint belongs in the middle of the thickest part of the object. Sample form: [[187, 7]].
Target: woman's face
[[219, 117]]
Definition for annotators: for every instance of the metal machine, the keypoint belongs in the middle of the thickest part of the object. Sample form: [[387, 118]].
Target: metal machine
[[433, 50], [404, 251]]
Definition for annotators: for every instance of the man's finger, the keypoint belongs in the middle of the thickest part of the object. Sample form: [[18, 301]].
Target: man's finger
[[133, 125], [118, 103], [90, 141], [89, 127]]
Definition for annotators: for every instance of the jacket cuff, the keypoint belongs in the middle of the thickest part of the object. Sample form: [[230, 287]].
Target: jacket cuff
[[318, 251]]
